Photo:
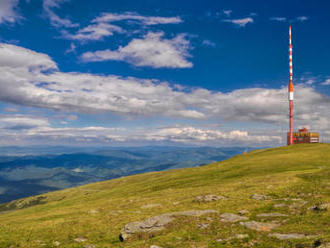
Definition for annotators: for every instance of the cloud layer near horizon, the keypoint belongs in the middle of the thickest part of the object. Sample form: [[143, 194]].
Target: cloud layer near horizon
[[30, 78]]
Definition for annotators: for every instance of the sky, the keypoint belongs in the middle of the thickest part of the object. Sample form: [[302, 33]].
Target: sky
[[151, 72]]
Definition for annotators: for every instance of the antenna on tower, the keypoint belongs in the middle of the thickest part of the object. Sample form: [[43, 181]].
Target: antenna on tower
[[291, 90]]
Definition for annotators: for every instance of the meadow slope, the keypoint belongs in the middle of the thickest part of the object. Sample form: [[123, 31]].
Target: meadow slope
[[295, 181]]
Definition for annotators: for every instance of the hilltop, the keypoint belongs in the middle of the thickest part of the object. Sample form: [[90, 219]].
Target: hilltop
[[277, 197]]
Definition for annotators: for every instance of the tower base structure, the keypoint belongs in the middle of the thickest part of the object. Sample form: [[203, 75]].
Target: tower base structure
[[304, 136]]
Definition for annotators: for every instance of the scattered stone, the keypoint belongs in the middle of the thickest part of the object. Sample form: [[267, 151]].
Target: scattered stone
[[203, 225], [229, 217], [209, 219], [240, 236], [209, 198], [243, 212], [259, 226], [280, 205], [259, 197], [272, 215], [290, 236], [155, 246], [195, 213], [93, 211], [152, 205], [319, 244], [325, 206], [322, 207], [56, 243], [176, 203], [219, 240], [89, 246], [80, 239], [157, 223]]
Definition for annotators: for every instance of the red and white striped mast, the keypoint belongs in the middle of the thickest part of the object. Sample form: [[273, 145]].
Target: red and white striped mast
[[291, 90]]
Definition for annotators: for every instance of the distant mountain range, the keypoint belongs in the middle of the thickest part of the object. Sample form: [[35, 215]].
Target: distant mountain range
[[26, 171]]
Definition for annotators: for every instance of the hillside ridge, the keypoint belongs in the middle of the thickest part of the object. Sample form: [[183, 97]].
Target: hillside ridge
[[278, 197]]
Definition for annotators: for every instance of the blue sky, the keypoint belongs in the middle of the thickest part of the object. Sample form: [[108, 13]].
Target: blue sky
[[160, 72]]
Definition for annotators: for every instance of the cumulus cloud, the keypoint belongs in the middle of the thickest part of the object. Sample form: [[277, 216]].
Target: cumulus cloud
[[32, 79], [55, 20], [153, 50], [284, 19], [8, 11], [94, 32], [240, 22], [15, 57], [227, 12], [35, 130], [302, 18], [208, 43], [326, 82], [20, 122], [278, 19], [103, 26], [145, 20]]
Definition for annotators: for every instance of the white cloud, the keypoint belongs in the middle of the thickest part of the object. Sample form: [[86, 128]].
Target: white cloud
[[94, 32], [278, 19], [240, 22], [35, 130], [302, 18], [103, 26], [152, 50], [8, 11], [227, 12], [145, 20], [208, 43], [21, 122], [55, 20], [14, 57], [71, 49], [284, 19], [326, 82], [10, 109], [29, 78]]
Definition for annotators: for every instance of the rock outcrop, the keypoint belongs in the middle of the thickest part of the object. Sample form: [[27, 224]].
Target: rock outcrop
[[286, 236], [209, 198], [229, 217], [259, 226], [157, 223]]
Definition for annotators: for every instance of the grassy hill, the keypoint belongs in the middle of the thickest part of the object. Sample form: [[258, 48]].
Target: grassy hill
[[291, 179]]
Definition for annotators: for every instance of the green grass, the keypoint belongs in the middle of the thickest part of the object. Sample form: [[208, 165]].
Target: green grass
[[300, 171]]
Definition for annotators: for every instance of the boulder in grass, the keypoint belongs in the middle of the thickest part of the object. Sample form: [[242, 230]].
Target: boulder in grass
[[259, 226], [229, 217], [259, 197], [157, 223]]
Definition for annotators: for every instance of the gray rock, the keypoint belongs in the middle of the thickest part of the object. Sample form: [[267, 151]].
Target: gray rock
[[243, 212], [286, 236], [272, 215], [259, 226], [89, 246], [157, 223], [151, 205], [241, 236], [155, 246], [280, 205], [93, 211], [229, 217], [80, 239], [209, 198], [203, 225], [322, 207], [325, 245], [259, 197], [56, 243]]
